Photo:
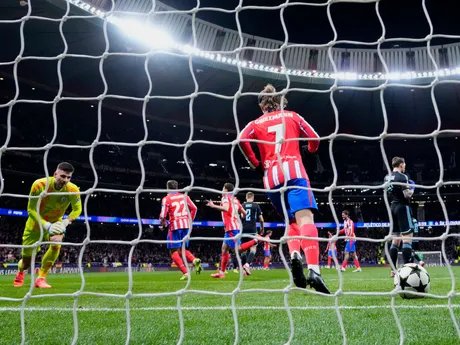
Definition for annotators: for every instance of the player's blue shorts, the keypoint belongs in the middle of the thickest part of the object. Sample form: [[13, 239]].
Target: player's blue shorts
[[177, 235], [350, 247], [267, 252], [296, 199], [228, 239], [329, 253]]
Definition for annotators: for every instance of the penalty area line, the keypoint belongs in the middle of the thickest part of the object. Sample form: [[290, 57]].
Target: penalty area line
[[342, 307]]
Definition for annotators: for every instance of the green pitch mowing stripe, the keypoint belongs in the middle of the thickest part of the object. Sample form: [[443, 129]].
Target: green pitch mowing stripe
[[208, 319]]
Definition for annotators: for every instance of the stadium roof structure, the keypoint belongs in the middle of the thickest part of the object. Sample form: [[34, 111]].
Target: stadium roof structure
[[229, 49], [172, 81]]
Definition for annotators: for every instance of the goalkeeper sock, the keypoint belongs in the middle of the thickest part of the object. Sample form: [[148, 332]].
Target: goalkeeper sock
[[394, 254], [329, 259], [357, 264], [223, 265], [179, 262], [417, 257], [190, 257], [310, 247], [247, 245], [294, 244], [250, 256], [406, 252], [48, 260], [20, 266]]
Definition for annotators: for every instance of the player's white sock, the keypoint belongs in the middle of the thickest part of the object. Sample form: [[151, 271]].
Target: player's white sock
[[294, 252], [314, 268]]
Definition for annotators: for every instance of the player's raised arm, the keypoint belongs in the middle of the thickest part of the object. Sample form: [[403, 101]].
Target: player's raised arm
[[191, 207], [223, 208], [408, 191], [245, 146], [307, 131]]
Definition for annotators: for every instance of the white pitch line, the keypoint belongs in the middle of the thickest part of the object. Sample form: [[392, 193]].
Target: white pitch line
[[343, 307]]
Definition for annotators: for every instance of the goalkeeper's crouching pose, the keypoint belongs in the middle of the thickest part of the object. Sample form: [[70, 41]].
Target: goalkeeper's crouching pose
[[52, 208]]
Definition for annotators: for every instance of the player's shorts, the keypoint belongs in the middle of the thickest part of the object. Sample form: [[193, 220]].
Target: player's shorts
[[402, 218], [177, 235], [329, 253], [229, 238], [29, 238], [249, 230], [295, 199], [350, 247], [267, 253]]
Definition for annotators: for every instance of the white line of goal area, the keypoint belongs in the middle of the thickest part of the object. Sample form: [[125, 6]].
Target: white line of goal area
[[198, 308]]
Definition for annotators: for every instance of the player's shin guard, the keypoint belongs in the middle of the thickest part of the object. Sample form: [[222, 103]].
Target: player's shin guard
[[329, 259], [21, 266], [394, 254], [310, 247], [224, 263], [177, 259], [344, 264], [190, 257], [48, 260], [294, 244], [406, 252], [357, 264]]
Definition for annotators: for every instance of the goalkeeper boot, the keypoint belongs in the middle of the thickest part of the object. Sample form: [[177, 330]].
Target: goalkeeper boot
[[197, 264], [19, 280], [297, 271], [41, 283], [316, 282]]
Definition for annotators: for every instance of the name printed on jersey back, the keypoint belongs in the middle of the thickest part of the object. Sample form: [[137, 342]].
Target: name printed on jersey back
[[273, 117]]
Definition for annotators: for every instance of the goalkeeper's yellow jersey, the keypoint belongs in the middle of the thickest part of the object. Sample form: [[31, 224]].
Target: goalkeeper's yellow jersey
[[52, 207]]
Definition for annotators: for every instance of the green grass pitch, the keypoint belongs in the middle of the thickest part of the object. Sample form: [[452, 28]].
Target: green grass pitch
[[208, 319]]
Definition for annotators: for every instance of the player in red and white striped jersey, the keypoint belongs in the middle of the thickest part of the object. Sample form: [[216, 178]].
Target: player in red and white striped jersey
[[231, 210], [180, 211], [267, 249], [350, 247], [281, 165]]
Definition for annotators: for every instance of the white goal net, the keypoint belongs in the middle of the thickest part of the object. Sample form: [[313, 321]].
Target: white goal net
[[150, 31]]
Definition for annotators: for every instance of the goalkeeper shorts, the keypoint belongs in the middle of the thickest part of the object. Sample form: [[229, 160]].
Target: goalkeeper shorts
[[295, 199], [30, 237]]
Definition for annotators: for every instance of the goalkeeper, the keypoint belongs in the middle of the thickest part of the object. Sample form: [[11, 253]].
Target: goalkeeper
[[52, 208]]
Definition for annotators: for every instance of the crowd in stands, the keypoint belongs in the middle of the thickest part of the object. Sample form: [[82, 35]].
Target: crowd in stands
[[207, 250]]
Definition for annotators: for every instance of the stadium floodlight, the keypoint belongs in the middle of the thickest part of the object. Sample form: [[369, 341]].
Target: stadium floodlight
[[144, 32], [212, 164]]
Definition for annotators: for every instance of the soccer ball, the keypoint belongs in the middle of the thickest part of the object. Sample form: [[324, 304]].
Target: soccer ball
[[412, 277]]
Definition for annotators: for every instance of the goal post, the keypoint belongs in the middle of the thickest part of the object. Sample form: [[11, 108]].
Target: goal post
[[430, 258]]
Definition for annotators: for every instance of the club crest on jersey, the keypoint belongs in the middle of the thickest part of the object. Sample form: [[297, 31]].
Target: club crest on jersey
[[63, 200]]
